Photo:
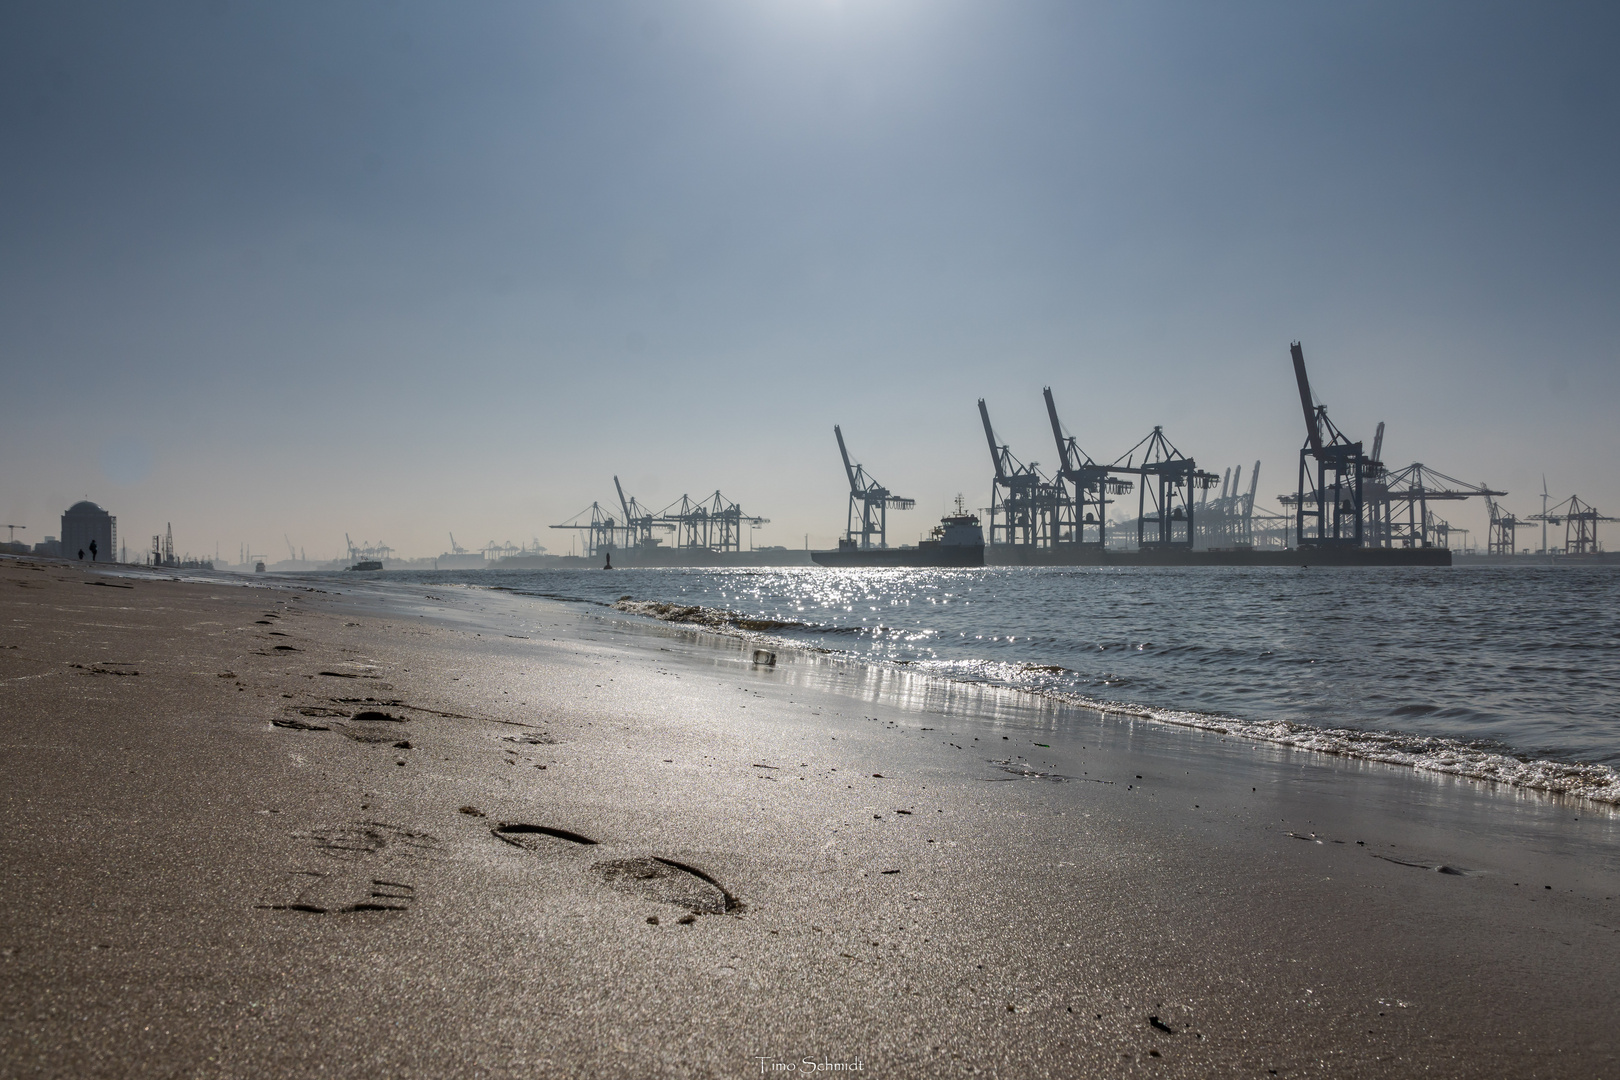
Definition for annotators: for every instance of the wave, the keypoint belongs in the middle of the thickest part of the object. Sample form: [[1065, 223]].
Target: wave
[[1426, 753], [1436, 754]]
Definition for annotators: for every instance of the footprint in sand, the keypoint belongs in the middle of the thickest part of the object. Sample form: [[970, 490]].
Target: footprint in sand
[[362, 867], [668, 882], [537, 837], [371, 726], [650, 876]]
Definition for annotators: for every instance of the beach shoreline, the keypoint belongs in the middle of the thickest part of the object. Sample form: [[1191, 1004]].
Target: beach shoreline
[[874, 867]]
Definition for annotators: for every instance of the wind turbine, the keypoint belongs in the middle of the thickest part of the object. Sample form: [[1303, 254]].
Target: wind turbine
[[1544, 513]]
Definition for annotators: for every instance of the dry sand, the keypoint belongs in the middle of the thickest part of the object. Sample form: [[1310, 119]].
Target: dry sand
[[214, 867]]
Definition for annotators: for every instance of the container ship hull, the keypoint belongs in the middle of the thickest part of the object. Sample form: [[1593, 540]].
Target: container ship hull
[[1092, 555], [956, 541], [925, 555]]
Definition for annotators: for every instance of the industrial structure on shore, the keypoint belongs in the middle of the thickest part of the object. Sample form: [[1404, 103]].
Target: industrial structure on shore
[[1152, 504], [686, 532], [1347, 506]]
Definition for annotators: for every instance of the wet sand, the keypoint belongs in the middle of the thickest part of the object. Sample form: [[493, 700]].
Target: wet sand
[[565, 845]]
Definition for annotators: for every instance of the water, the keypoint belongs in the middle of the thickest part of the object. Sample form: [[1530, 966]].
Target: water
[[1498, 672]]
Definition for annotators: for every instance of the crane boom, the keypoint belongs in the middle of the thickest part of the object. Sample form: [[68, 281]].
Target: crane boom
[[1378, 442], [1057, 431], [990, 437], [622, 504], [849, 470], [1312, 429]]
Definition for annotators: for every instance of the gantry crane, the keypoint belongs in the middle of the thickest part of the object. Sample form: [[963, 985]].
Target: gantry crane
[[1580, 525], [638, 520], [1417, 486], [597, 528], [1165, 501], [1025, 506], [1503, 534], [1082, 518], [1332, 471], [869, 503]]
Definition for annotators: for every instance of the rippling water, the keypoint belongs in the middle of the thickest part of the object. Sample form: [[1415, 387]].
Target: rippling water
[[1517, 669]]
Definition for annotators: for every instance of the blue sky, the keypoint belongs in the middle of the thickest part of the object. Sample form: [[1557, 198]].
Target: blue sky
[[400, 269]]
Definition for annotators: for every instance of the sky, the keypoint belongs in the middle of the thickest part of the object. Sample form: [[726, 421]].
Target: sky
[[277, 273]]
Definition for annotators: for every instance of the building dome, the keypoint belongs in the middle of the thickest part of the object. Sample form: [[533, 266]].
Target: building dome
[[85, 507]]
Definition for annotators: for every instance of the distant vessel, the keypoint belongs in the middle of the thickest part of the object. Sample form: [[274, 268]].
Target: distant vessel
[[957, 540], [369, 564], [459, 558]]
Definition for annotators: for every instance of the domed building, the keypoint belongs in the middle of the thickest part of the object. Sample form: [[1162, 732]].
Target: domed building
[[89, 533]]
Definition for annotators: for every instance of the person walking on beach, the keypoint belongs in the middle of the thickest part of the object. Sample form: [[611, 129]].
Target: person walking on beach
[[81, 554], [92, 551]]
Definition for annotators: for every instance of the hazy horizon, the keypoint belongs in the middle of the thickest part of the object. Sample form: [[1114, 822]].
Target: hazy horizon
[[399, 270]]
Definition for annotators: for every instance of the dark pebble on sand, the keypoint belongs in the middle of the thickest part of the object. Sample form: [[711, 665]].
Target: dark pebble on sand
[[472, 811], [652, 920], [1161, 1025], [406, 745], [687, 920]]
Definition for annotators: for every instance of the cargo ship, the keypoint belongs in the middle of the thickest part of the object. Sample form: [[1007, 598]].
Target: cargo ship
[[957, 540]]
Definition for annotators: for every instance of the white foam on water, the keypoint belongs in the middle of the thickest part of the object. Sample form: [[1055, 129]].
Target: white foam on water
[[1453, 757]]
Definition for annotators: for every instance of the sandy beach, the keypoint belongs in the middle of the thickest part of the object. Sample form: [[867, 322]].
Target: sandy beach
[[272, 829]]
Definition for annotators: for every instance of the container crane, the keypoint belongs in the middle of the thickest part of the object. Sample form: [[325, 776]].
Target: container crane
[[1082, 519], [1417, 486], [1580, 525], [1503, 534], [1166, 498], [596, 526], [1332, 470], [638, 521], [1025, 507], [869, 503]]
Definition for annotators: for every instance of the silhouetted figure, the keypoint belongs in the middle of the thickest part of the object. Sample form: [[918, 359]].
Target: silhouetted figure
[[81, 554], [92, 551], [609, 564]]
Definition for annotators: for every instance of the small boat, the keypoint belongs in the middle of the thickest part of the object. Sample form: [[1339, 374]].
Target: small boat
[[369, 564]]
